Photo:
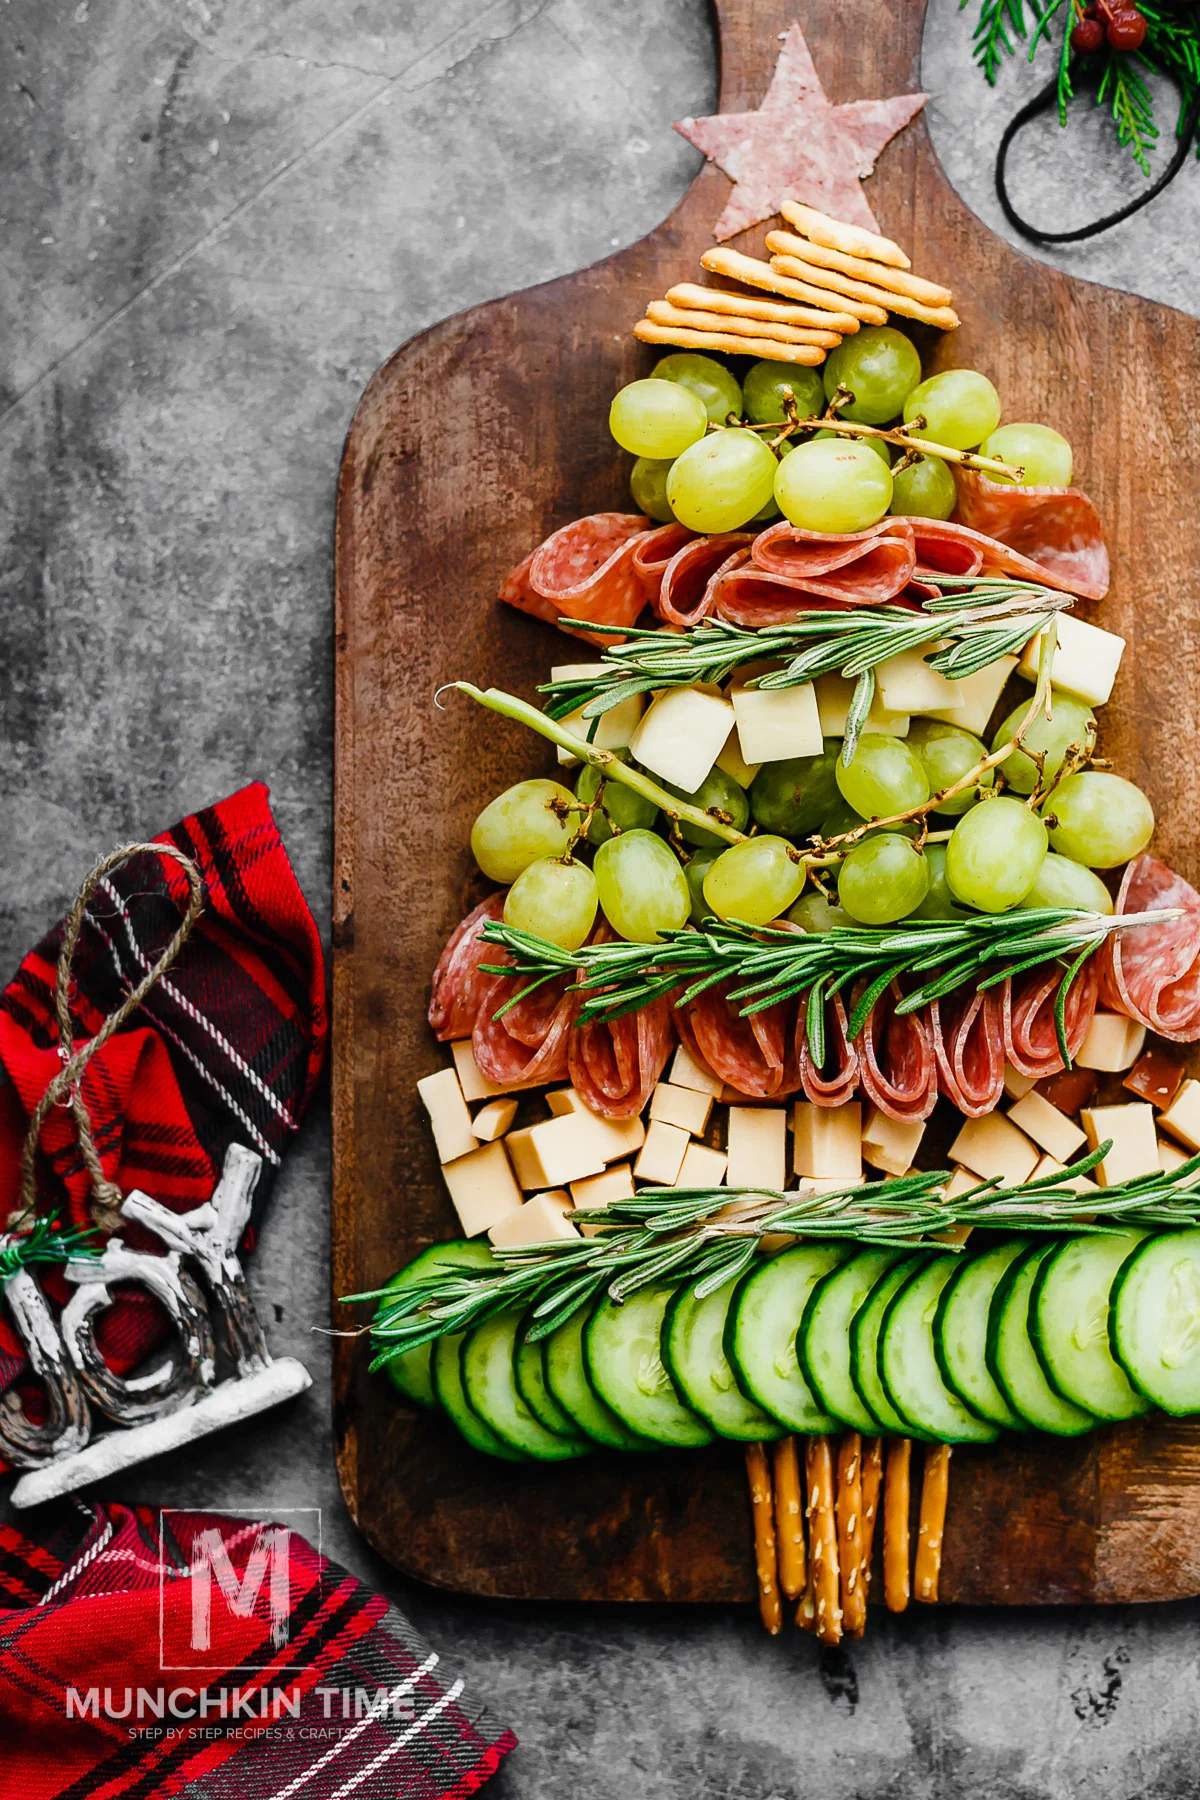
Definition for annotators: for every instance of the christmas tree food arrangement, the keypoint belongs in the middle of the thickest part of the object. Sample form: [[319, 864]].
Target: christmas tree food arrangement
[[831, 873]]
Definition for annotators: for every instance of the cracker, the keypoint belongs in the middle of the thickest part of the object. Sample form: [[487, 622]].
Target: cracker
[[761, 275], [895, 281], [747, 306], [858, 292], [766, 349], [852, 240], [690, 319]]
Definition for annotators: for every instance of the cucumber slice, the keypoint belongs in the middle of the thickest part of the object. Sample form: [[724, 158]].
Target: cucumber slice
[[1012, 1360], [623, 1355], [823, 1341], [1154, 1320], [760, 1332], [864, 1347], [529, 1373], [410, 1373], [491, 1391], [693, 1351], [960, 1329], [1068, 1322], [908, 1366], [567, 1382], [446, 1365]]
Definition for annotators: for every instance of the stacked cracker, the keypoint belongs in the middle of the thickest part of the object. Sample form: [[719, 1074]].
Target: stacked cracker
[[831, 279]]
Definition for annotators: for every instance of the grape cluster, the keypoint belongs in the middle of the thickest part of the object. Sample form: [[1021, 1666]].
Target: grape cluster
[[1117, 22]]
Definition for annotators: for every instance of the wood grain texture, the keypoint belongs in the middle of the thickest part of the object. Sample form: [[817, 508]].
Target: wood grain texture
[[473, 442]]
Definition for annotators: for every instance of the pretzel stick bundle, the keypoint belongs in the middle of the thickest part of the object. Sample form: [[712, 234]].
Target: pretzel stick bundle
[[822, 1543], [661, 312], [851, 240], [737, 267], [789, 1517], [863, 292], [931, 1523], [891, 280], [690, 296], [758, 1471], [731, 343], [895, 1525], [849, 1534], [872, 1484]]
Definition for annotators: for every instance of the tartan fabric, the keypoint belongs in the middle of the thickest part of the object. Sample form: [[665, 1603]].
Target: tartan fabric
[[227, 1048], [367, 1709]]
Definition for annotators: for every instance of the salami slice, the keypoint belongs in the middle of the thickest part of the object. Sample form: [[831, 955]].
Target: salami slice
[[755, 1055], [653, 553], [743, 594], [862, 567], [896, 1060], [685, 595], [1152, 972], [1030, 1037], [457, 983], [1058, 530], [528, 1046], [967, 1028], [836, 1080], [614, 1067], [584, 571]]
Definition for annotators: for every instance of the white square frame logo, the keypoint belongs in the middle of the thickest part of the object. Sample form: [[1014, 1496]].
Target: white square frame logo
[[214, 1582]]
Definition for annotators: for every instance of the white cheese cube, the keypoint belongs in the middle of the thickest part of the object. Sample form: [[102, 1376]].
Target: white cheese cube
[[662, 1154], [992, 1146], [1058, 1136], [618, 1137], [701, 1167], [907, 684], [1182, 1117], [980, 693], [1086, 659], [1016, 1085], [687, 1072], [613, 728], [681, 734], [828, 1141], [482, 1188], [734, 763], [891, 1144], [1050, 1165], [1113, 1042], [834, 694], [601, 1190], [494, 1119], [684, 1107], [1170, 1156], [451, 1122], [757, 1147], [558, 1151], [475, 1085], [774, 723], [543, 1218], [1134, 1142]]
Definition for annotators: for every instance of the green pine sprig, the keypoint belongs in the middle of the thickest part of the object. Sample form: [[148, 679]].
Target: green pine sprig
[[46, 1241]]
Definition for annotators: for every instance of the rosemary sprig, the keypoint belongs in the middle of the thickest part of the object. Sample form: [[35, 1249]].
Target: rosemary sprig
[[46, 1241]]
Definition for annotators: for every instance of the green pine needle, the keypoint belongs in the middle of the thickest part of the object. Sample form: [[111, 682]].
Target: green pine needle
[[46, 1241]]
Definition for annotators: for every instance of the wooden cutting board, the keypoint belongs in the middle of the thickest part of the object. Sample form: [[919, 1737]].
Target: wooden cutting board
[[472, 443]]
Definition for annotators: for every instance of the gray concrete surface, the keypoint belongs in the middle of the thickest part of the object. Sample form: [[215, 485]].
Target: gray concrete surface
[[218, 219]]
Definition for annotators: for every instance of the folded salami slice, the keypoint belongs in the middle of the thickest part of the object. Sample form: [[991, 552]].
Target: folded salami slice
[[1058, 530], [528, 1046], [755, 1055], [685, 595], [743, 594], [1030, 1038], [654, 552], [457, 983], [836, 1080], [1152, 972], [968, 1041], [583, 571], [897, 1065], [614, 1067], [862, 567]]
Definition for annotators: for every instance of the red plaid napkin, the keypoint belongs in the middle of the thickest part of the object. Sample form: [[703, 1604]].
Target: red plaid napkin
[[221, 1659]]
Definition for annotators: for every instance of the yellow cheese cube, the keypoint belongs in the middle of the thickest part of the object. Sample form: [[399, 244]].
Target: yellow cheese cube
[[757, 1147], [614, 728], [685, 1107], [681, 734], [1134, 1143], [494, 1119], [907, 684], [824, 1184], [1050, 1165], [1086, 659], [980, 692], [662, 1154], [701, 1167], [1170, 1156], [618, 1137], [687, 1072], [542, 1219], [1113, 1042], [1016, 1085], [601, 1190], [475, 1085], [993, 1146], [451, 1122], [482, 1188], [828, 1140], [954, 1237], [1182, 1117], [1057, 1135], [891, 1144], [961, 1181], [565, 1100], [557, 1151], [774, 723], [834, 694], [734, 763]]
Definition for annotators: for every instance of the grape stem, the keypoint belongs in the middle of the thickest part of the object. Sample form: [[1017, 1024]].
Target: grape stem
[[901, 435]]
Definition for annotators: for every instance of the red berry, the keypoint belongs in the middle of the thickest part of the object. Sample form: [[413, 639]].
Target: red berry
[[1127, 31], [1087, 36]]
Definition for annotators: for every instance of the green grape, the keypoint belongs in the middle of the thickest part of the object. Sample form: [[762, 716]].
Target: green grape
[[722, 481], [883, 878], [939, 901], [839, 819], [525, 822], [763, 392], [1043, 453], [880, 366], [994, 855], [720, 791], [643, 889], [948, 752], [960, 408], [708, 379], [812, 912], [754, 881], [832, 486], [880, 446], [554, 898], [1098, 819], [792, 796], [648, 485], [695, 873], [1061, 882], [1071, 722], [657, 418], [885, 777], [925, 490], [620, 808]]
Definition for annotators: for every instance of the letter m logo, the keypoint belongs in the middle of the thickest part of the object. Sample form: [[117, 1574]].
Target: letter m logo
[[215, 1582]]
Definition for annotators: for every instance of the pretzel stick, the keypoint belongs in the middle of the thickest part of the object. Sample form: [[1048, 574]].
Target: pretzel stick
[[943, 316], [931, 1525], [747, 306], [690, 318], [759, 1473], [849, 1533], [872, 1482], [762, 275], [896, 281], [730, 342], [789, 1517], [819, 228], [895, 1525], [822, 1540]]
